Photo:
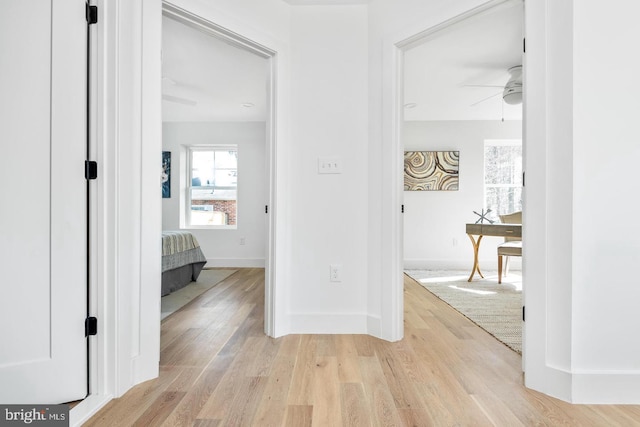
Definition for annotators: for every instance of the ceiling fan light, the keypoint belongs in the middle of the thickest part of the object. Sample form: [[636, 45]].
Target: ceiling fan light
[[512, 97]]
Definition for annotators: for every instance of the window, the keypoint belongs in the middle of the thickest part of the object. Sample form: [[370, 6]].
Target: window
[[502, 176], [212, 187]]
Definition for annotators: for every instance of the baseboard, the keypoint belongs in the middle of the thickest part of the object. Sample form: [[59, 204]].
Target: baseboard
[[617, 388], [329, 323], [84, 410], [588, 387], [458, 264], [236, 262], [552, 381], [374, 326]]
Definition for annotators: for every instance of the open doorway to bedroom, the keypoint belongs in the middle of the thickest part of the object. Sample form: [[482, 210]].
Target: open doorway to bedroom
[[215, 168], [463, 153]]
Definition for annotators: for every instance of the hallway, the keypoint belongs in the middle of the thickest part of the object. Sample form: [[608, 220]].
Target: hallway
[[218, 368]]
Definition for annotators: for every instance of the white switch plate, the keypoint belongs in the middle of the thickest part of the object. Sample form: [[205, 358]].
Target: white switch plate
[[329, 165], [335, 273]]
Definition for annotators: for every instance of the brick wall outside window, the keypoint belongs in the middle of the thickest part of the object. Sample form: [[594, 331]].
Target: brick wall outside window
[[226, 206]]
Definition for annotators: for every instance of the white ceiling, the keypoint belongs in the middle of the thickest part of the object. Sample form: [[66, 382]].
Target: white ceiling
[[476, 51], [325, 2], [220, 77]]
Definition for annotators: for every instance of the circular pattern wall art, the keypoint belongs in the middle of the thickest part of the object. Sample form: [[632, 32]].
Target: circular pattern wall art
[[431, 170]]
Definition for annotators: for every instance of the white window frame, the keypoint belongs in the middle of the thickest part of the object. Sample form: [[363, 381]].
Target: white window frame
[[500, 143], [189, 150]]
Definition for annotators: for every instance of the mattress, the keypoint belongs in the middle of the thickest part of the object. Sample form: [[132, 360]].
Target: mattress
[[182, 260]]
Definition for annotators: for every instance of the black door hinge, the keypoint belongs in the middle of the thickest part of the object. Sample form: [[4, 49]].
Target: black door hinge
[[402, 209], [92, 14], [266, 208], [523, 178], [90, 326], [90, 169], [524, 45], [523, 313]]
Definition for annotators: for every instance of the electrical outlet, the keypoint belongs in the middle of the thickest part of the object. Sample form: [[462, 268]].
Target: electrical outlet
[[335, 273], [243, 241], [455, 242]]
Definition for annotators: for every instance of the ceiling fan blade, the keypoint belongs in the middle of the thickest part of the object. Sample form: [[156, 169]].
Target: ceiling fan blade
[[486, 99], [483, 86], [179, 100]]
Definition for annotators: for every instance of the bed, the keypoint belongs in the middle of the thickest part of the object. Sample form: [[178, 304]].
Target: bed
[[182, 260]]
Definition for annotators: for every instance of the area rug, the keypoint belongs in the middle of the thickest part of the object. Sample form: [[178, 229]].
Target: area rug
[[496, 308], [178, 299]]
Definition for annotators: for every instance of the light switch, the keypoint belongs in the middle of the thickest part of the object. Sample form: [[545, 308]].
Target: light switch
[[329, 165]]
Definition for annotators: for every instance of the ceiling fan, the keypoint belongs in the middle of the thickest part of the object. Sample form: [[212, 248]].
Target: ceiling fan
[[177, 99], [511, 91]]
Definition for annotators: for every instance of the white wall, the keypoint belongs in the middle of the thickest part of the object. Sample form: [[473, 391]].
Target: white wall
[[329, 212], [582, 235], [434, 221], [606, 152], [321, 111], [222, 248]]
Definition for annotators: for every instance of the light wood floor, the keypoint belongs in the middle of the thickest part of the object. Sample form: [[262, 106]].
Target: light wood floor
[[217, 368]]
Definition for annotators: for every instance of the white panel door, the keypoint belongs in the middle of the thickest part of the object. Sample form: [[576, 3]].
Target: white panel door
[[43, 349]]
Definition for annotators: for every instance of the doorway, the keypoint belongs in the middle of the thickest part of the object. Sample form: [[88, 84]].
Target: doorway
[[217, 99], [452, 82]]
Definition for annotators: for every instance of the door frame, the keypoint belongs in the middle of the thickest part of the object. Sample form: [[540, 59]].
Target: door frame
[[393, 100], [197, 22], [126, 209]]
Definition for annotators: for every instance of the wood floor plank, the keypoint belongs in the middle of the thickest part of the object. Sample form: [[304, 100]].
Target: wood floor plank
[[160, 409], [261, 366], [416, 417], [347, 352], [205, 423], [126, 410], [355, 411], [301, 391], [273, 407], [245, 403], [299, 416], [363, 345], [326, 392], [221, 400], [379, 397], [398, 381], [199, 352], [497, 411], [192, 403], [218, 368], [171, 352], [185, 380]]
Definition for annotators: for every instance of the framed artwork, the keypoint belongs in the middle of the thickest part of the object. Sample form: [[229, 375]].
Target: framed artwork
[[166, 174], [431, 170]]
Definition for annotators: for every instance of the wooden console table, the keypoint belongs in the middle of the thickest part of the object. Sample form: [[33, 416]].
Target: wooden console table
[[480, 230]]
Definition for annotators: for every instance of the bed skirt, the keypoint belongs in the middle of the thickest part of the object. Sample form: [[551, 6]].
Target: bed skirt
[[172, 280]]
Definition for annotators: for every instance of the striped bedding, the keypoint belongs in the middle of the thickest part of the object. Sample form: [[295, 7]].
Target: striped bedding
[[182, 260], [177, 241], [180, 248]]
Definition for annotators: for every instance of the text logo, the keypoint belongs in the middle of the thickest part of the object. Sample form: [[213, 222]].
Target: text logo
[[34, 415]]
